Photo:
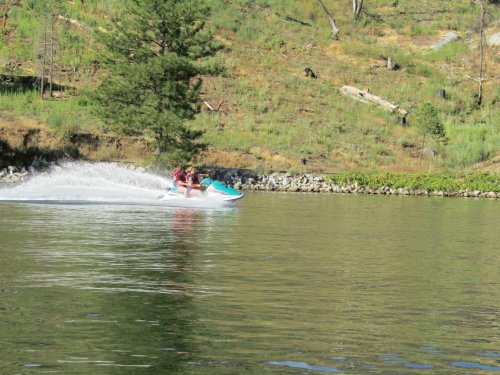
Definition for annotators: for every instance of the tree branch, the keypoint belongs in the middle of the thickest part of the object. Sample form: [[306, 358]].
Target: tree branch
[[291, 19], [335, 31]]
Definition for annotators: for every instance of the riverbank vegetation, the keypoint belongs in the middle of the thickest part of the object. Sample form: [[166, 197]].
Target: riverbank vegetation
[[485, 182], [264, 111]]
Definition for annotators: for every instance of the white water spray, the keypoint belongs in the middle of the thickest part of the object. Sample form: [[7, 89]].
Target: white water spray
[[83, 182]]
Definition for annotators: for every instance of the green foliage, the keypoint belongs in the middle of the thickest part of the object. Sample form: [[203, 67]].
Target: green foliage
[[417, 29], [472, 143], [55, 120], [429, 124], [64, 116], [452, 52], [152, 86], [420, 181]]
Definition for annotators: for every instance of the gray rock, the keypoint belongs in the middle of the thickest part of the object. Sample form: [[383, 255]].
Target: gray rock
[[448, 38], [36, 165], [429, 152], [11, 170], [494, 40]]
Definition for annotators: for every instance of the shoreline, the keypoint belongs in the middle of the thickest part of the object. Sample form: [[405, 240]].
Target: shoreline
[[317, 183], [247, 180]]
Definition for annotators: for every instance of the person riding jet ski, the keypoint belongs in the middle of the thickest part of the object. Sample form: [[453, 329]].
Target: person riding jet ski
[[180, 181], [193, 179]]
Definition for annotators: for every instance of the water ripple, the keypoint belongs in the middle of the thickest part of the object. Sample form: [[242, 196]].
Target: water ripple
[[474, 365], [305, 366]]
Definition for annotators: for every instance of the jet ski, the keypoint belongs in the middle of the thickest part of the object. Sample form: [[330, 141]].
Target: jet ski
[[213, 188]]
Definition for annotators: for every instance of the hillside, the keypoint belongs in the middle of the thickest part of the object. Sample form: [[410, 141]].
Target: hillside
[[265, 112]]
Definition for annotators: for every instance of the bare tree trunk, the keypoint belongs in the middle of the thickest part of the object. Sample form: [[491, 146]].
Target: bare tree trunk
[[335, 31], [42, 75], [481, 53], [480, 79], [357, 7], [51, 66]]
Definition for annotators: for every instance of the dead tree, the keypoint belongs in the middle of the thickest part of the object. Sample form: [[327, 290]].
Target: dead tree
[[357, 7], [481, 53], [291, 19], [335, 31], [480, 79], [43, 57], [51, 64]]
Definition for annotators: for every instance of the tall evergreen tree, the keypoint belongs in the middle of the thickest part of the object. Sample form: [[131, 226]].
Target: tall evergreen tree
[[155, 53]]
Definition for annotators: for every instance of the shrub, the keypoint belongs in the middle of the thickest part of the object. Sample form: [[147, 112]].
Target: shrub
[[420, 181], [55, 120]]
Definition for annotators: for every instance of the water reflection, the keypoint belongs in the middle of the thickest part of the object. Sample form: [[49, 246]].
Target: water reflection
[[185, 239], [124, 273], [115, 250], [306, 366]]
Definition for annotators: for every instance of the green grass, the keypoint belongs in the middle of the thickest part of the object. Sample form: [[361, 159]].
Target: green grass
[[65, 116], [418, 181], [472, 144]]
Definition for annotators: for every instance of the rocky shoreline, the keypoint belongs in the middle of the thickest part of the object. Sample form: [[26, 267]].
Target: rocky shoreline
[[248, 180], [315, 183]]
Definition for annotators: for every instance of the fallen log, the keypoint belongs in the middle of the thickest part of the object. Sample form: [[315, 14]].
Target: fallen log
[[75, 22], [291, 19], [364, 96], [208, 106]]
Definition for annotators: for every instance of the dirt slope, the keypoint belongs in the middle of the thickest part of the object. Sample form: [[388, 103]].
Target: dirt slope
[[23, 140]]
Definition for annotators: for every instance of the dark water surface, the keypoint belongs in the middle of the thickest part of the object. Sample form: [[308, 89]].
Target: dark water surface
[[282, 283]]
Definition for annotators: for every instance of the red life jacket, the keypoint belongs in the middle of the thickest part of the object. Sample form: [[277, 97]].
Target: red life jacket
[[179, 175]]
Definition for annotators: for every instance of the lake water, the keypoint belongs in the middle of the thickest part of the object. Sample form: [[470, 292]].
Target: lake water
[[279, 283]]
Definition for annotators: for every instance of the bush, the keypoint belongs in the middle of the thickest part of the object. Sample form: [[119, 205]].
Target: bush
[[55, 120]]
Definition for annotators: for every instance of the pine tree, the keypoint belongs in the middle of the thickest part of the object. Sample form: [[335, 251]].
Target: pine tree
[[154, 55], [429, 124]]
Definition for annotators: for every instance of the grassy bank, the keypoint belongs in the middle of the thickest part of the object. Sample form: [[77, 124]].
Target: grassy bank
[[267, 110], [485, 182]]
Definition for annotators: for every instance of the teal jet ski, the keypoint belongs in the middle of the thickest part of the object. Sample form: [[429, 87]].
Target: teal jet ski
[[213, 188]]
